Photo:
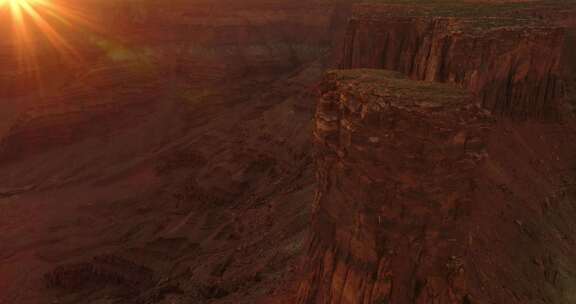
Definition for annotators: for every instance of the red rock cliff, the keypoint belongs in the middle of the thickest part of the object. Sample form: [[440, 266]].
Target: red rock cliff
[[395, 159], [425, 198], [489, 49]]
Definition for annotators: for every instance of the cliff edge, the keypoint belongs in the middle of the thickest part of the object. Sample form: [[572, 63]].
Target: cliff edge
[[425, 197], [507, 54]]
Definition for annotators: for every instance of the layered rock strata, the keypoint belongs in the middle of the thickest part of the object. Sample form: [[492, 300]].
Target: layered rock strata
[[426, 198], [395, 159], [506, 54], [101, 101], [207, 41]]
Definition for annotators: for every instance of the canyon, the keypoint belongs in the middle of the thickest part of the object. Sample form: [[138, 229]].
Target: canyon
[[171, 162], [268, 151]]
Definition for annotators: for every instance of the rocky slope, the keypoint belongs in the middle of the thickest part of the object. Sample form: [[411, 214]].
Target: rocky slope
[[171, 164], [97, 103], [425, 197], [209, 204]]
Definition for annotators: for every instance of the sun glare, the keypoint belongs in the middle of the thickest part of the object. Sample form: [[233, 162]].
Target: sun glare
[[17, 2], [37, 24]]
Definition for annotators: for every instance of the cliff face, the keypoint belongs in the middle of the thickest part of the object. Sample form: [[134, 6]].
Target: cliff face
[[491, 51], [430, 195], [425, 198], [570, 66], [395, 159]]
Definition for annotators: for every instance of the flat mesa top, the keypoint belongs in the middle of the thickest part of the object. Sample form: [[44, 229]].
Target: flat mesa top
[[475, 8], [393, 87]]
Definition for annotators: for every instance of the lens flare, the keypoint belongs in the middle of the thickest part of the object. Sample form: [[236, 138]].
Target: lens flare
[[38, 24], [14, 2]]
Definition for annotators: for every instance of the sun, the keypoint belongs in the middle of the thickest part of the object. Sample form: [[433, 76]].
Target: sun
[[16, 2], [35, 24], [19, 3]]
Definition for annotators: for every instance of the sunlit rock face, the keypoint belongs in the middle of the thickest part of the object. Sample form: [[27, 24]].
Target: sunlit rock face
[[424, 197], [427, 194], [395, 160]]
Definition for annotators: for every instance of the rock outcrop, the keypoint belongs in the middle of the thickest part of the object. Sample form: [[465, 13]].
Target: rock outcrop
[[425, 197], [430, 195], [395, 160], [508, 54]]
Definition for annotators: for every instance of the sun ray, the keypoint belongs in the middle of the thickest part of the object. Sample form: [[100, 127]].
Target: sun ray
[[40, 27], [65, 14], [53, 36], [23, 42]]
